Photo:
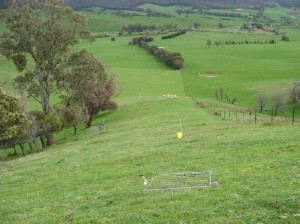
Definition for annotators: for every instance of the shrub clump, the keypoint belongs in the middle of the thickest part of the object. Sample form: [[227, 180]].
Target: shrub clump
[[285, 38]]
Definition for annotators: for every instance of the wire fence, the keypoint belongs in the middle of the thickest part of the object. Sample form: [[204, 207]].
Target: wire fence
[[249, 116], [176, 181]]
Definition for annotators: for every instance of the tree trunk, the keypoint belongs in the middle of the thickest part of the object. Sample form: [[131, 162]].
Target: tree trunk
[[50, 139], [15, 150], [89, 122], [43, 142], [75, 129], [45, 97], [23, 151], [30, 146], [275, 112], [293, 121], [261, 109], [39, 148], [89, 118]]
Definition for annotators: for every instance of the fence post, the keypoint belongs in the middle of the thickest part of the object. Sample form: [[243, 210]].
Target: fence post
[[255, 117], [224, 114]]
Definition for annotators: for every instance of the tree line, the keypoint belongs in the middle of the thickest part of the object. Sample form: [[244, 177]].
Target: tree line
[[172, 59], [138, 28], [39, 40], [173, 35], [209, 43], [225, 14]]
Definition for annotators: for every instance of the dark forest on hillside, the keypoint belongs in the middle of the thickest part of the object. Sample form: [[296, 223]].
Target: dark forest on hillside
[[205, 4]]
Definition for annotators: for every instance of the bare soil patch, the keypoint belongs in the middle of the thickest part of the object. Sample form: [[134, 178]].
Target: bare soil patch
[[292, 13], [209, 74]]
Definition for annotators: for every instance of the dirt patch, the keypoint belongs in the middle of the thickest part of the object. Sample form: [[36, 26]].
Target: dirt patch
[[209, 74], [292, 13], [266, 32]]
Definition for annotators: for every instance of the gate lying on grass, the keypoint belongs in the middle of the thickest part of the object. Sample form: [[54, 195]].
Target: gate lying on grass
[[176, 181]]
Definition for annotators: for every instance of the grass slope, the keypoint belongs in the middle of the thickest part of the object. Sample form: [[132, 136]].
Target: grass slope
[[94, 177]]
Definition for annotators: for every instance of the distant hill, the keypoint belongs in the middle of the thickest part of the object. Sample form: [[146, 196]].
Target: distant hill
[[119, 4], [123, 4]]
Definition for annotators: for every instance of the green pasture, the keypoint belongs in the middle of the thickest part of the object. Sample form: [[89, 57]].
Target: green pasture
[[107, 21], [137, 72], [244, 71], [275, 13], [93, 177]]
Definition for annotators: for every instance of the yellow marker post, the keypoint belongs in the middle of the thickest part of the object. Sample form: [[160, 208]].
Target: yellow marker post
[[179, 134]]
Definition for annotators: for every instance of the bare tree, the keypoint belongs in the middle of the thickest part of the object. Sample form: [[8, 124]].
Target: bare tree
[[295, 97], [262, 102], [295, 93], [217, 94], [279, 102], [221, 91]]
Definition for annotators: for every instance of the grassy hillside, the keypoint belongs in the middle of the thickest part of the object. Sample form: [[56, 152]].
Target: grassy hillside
[[94, 177]]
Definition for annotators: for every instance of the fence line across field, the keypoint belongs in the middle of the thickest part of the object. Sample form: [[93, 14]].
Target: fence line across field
[[249, 116]]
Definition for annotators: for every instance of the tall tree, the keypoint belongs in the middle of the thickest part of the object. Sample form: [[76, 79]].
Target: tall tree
[[44, 32], [86, 79], [279, 102], [14, 125]]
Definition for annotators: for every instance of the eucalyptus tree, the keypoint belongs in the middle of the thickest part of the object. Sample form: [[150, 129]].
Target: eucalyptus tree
[[88, 82], [14, 125], [38, 39]]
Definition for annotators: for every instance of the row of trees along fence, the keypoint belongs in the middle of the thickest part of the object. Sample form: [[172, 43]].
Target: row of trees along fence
[[134, 28], [233, 42], [173, 35], [225, 14], [172, 59]]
